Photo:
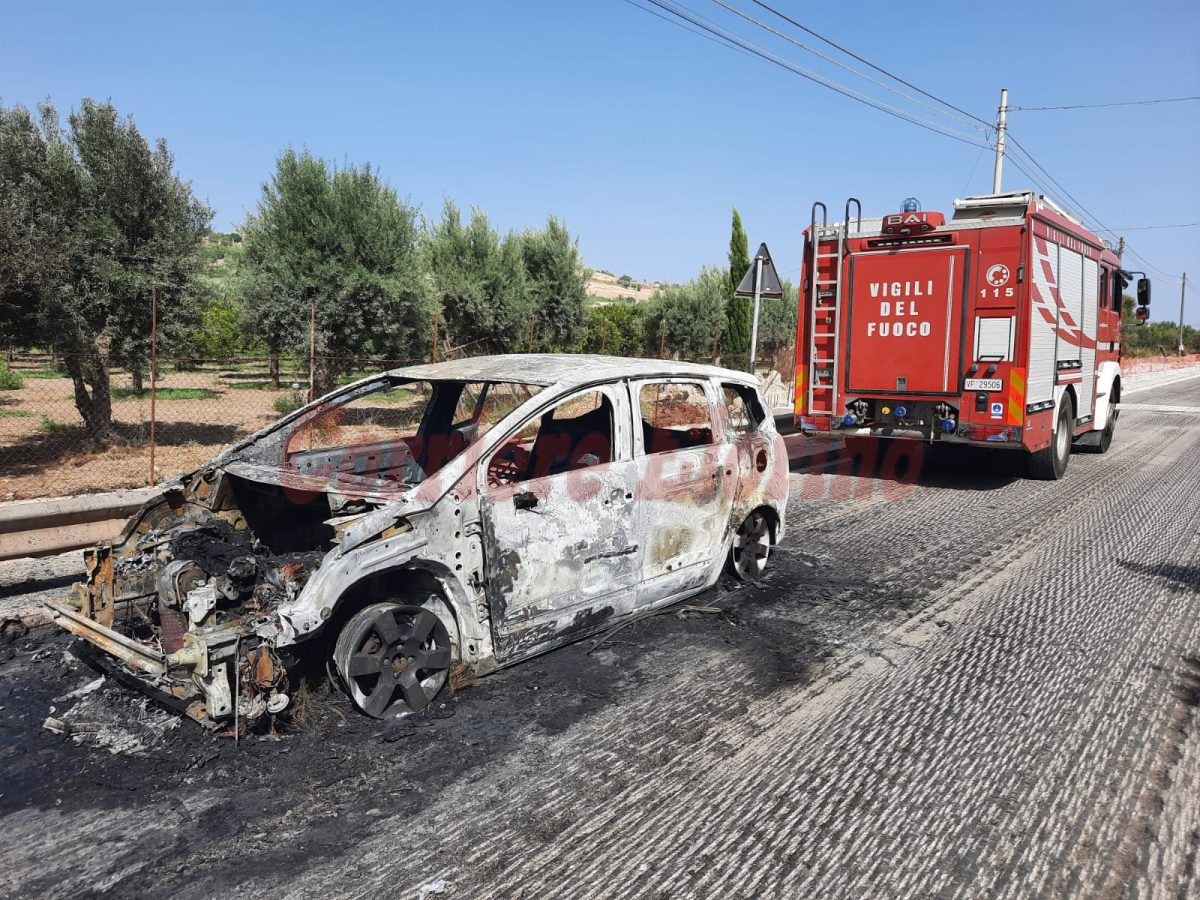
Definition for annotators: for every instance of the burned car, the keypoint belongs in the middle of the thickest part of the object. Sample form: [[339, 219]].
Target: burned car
[[458, 516]]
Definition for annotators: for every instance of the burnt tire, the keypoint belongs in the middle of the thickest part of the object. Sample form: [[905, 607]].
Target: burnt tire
[[751, 546], [393, 659], [1050, 463]]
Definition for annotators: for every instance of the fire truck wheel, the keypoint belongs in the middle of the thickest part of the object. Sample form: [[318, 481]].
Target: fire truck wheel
[[1104, 440], [1050, 463]]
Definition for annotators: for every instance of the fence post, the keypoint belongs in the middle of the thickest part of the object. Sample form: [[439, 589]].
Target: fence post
[[531, 321], [436, 313], [153, 372], [312, 349]]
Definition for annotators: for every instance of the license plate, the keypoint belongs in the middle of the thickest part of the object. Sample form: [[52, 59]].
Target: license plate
[[985, 384]]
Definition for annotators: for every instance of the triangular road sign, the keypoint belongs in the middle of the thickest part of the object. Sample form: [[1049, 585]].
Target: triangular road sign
[[771, 287]]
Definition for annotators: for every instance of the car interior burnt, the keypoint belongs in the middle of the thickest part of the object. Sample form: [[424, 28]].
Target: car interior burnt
[[674, 417], [575, 434], [401, 430]]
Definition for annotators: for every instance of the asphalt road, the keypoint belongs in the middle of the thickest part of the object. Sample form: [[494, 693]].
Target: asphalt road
[[971, 685]]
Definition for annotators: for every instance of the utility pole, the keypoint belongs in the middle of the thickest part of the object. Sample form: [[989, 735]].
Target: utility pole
[[1001, 128], [1182, 291], [758, 267], [1120, 247]]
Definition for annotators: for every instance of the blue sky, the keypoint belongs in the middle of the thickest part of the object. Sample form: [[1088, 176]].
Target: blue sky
[[638, 134]]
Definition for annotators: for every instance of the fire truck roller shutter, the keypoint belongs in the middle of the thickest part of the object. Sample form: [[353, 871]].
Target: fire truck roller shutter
[[1043, 323], [1070, 292], [1091, 293]]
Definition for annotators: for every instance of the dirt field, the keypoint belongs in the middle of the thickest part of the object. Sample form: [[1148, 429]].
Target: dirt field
[[43, 448]]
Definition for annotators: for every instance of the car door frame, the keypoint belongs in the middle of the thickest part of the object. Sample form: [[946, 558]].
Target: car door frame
[[668, 504], [530, 555]]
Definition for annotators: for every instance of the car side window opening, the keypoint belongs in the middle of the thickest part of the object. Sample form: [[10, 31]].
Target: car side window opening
[[675, 416], [1116, 297], [743, 412], [1103, 285], [575, 434]]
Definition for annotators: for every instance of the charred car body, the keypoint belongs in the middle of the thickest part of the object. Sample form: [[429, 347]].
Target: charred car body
[[463, 514]]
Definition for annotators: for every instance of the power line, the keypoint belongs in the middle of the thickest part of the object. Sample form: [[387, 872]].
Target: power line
[[767, 56], [1098, 225], [1145, 262], [1103, 105], [713, 31], [867, 62], [841, 65], [1064, 192], [1155, 227], [682, 25]]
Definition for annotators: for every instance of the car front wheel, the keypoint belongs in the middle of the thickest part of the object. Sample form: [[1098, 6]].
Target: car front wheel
[[394, 659]]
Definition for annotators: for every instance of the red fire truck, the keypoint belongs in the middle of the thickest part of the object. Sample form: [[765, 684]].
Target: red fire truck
[[1000, 327]]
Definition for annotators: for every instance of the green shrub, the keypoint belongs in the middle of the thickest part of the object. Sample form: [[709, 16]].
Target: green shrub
[[49, 426], [289, 402], [10, 380]]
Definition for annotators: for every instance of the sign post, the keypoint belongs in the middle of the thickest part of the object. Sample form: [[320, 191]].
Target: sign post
[[761, 280]]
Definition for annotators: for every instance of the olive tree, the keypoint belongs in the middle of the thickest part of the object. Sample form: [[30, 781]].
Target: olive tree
[[481, 282], [688, 318], [557, 286], [339, 244], [93, 219]]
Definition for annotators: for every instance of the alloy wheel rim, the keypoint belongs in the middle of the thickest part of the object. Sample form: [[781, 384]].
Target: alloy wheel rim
[[400, 663], [752, 547]]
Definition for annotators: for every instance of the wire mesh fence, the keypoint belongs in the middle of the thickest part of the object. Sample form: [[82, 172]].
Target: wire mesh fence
[[197, 407]]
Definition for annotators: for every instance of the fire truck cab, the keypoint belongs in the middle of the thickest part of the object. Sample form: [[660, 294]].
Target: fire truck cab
[[1000, 327]]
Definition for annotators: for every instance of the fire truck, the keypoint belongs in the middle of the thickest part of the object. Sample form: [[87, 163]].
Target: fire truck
[[999, 328]]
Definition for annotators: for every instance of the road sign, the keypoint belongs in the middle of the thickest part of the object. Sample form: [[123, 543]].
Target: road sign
[[770, 287]]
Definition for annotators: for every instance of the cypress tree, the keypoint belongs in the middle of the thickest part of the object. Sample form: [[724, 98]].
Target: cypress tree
[[738, 309]]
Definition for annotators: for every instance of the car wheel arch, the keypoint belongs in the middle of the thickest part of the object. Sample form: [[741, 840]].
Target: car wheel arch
[[413, 580]]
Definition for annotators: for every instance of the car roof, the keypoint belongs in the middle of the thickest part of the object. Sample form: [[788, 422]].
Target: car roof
[[564, 369]]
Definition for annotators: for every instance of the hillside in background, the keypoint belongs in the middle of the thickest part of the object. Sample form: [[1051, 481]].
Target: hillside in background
[[606, 287]]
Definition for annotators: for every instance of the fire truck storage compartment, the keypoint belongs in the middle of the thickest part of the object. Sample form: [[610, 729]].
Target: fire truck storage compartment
[[1063, 324], [906, 312]]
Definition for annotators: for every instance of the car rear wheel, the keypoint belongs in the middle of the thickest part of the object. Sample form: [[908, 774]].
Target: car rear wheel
[[1050, 463], [751, 547], [394, 659]]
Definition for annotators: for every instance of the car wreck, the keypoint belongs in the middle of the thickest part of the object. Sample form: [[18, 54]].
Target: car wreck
[[459, 516]]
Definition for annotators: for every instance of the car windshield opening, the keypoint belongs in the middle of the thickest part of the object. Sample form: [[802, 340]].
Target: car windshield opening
[[398, 430]]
